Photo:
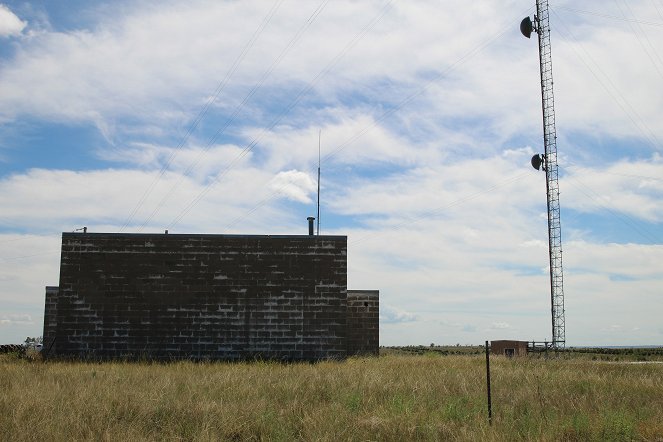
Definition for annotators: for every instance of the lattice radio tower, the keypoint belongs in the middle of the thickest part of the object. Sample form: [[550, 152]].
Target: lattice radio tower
[[548, 162]]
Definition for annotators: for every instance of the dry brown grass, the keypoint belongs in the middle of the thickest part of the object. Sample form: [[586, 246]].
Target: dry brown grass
[[393, 397]]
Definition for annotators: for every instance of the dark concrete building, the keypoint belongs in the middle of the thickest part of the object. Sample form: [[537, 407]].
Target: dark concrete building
[[161, 296]]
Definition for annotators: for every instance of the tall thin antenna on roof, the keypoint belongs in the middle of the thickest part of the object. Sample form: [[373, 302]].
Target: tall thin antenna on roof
[[319, 138]]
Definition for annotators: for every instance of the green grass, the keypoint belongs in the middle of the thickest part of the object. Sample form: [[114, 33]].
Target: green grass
[[394, 397]]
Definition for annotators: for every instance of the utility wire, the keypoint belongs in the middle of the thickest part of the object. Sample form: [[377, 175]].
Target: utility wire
[[16, 258], [26, 236], [473, 52], [628, 221], [476, 50], [220, 87], [660, 14], [621, 216], [624, 104], [19, 227], [613, 17], [644, 47], [436, 211], [204, 110], [287, 110], [626, 175], [238, 109]]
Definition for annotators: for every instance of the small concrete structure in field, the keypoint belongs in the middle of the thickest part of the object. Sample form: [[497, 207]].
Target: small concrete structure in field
[[200, 296], [509, 348]]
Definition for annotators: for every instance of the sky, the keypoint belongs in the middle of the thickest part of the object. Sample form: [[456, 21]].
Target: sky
[[207, 117]]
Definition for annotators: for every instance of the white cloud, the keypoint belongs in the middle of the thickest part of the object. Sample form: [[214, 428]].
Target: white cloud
[[294, 185], [9, 320], [112, 76], [197, 162], [614, 328], [639, 261], [500, 325], [60, 199], [393, 315], [10, 24], [595, 88], [113, 71], [631, 187]]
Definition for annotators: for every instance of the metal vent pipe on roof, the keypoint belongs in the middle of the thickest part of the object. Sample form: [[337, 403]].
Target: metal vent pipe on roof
[[310, 224]]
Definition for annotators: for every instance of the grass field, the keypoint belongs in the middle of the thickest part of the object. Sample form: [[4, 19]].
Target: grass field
[[398, 396]]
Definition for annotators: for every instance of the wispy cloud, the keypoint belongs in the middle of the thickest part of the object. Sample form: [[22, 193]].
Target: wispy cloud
[[14, 319], [500, 325], [392, 315]]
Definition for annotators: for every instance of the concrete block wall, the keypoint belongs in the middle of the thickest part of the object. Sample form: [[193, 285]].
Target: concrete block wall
[[50, 317], [509, 348], [166, 296], [363, 307]]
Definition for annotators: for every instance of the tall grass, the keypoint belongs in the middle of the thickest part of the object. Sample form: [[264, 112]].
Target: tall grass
[[394, 397]]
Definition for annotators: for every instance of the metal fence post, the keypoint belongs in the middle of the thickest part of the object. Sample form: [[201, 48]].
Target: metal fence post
[[490, 410]]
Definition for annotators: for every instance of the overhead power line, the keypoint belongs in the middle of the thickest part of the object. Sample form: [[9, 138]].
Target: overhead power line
[[436, 211], [616, 213], [300, 95], [238, 109], [647, 50], [201, 114], [464, 58], [621, 102], [612, 17], [660, 14], [17, 258]]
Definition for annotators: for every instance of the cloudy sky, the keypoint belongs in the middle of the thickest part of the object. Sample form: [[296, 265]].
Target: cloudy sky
[[205, 116]]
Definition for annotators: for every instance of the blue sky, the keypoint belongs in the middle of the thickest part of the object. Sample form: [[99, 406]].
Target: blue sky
[[204, 116]]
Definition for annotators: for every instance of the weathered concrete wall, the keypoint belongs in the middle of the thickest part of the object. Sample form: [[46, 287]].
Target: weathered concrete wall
[[508, 348], [201, 296], [363, 322], [50, 318]]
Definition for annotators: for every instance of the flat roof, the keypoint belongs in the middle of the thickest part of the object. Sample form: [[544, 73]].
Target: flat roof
[[200, 235]]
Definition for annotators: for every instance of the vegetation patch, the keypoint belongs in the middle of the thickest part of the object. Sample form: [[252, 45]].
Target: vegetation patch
[[399, 396]]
